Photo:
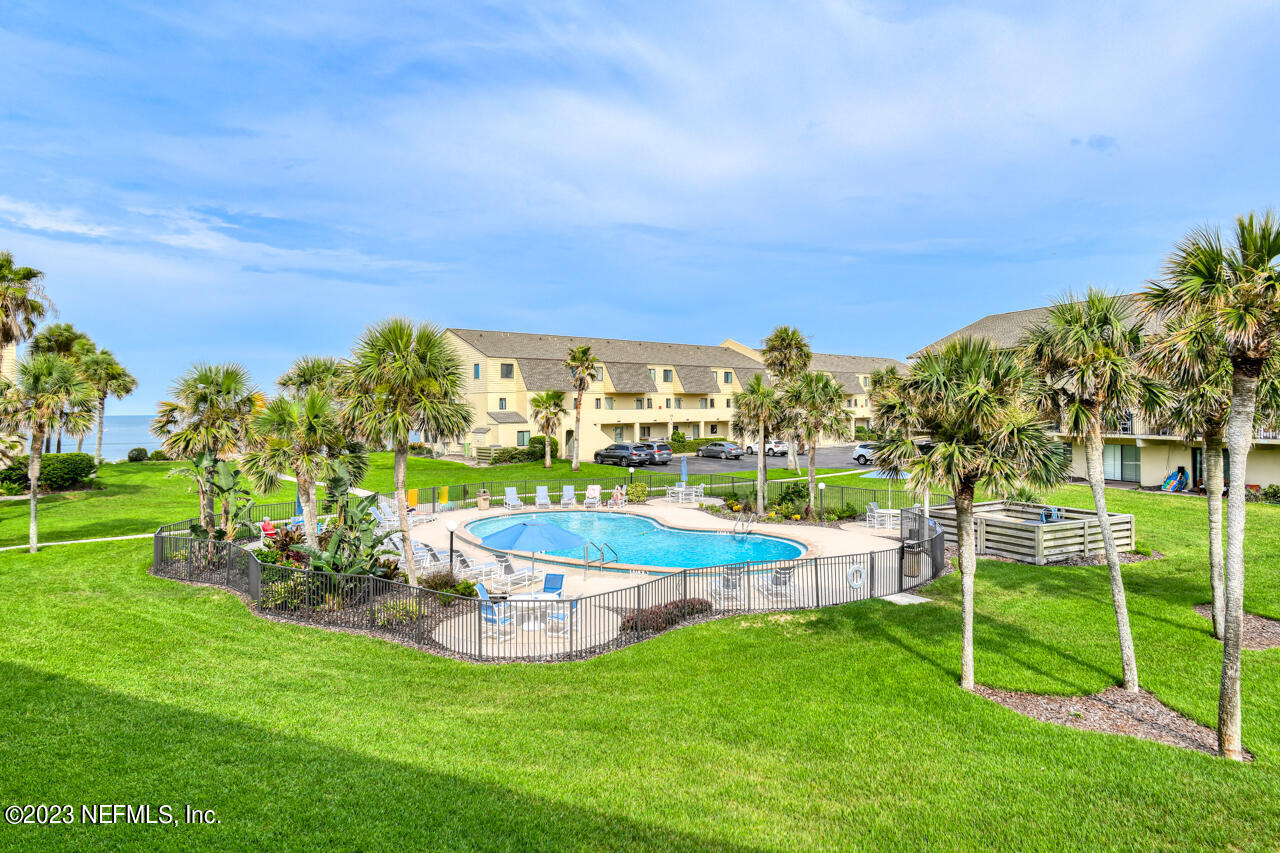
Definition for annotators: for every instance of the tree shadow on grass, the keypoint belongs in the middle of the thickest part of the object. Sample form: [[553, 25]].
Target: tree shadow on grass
[[68, 742]]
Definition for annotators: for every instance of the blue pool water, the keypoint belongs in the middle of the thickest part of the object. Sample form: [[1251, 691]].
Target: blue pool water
[[644, 542]]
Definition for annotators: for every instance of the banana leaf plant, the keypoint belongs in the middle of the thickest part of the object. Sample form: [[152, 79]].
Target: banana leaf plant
[[351, 544]]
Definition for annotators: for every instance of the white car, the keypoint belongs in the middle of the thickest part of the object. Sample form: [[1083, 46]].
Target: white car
[[864, 454], [772, 447]]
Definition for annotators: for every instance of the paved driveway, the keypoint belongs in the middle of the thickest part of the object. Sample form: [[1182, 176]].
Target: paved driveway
[[828, 457]]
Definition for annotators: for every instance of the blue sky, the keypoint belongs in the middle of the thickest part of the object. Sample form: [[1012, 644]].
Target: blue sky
[[253, 181]]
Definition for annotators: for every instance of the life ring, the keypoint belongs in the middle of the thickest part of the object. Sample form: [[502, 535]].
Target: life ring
[[856, 577]]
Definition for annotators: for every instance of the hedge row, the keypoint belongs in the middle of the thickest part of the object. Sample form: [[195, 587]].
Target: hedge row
[[58, 471]]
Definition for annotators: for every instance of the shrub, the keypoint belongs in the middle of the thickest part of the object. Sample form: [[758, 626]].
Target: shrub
[[637, 493], [57, 471], [1144, 550], [1023, 495], [676, 436], [397, 612], [665, 615], [538, 447], [1270, 495], [138, 454], [418, 448], [288, 594], [159, 456], [508, 455], [11, 489], [465, 588], [691, 445]]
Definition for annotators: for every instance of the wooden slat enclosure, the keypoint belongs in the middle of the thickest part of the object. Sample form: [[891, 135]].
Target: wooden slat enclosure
[[1014, 530]]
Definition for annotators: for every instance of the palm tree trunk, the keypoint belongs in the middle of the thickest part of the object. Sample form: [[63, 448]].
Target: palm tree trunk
[[968, 569], [762, 477], [577, 429], [1244, 389], [402, 507], [102, 417], [310, 518], [546, 450], [59, 445], [793, 451], [1213, 491], [33, 478], [1097, 484], [813, 483]]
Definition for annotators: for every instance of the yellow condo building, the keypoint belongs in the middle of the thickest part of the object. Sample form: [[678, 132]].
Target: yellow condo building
[[645, 389]]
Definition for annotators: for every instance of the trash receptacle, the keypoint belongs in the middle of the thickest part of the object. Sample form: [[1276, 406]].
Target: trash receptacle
[[482, 499]]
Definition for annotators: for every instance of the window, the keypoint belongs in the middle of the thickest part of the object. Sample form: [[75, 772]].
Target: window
[[1121, 462], [502, 403], [508, 371], [598, 374], [597, 402], [848, 402], [713, 402], [475, 370], [728, 402], [668, 402], [653, 373], [639, 402], [666, 376], [728, 377], [522, 438], [714, 429], [679, 403], [702, 403], [695, 433], [608, 403], [648, 403], [644, 432], [617, 433]]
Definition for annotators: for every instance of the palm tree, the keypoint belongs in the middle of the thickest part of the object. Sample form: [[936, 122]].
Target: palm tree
[[47, 395], [207, 421], [818, 401], [109, 378], [548, 410], [23, 302], [758, 407], [787, 356], [66, 340], [583, 367], [302, 435], [977, 406], [403, 378], [310, 371], [1087, 354], [1235, 290]]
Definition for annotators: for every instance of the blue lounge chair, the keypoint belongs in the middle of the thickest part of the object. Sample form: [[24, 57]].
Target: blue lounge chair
[[561, 618], [729, 588], [541, 500], [553, 583], [568, 498], [495, 619], [510, 499]]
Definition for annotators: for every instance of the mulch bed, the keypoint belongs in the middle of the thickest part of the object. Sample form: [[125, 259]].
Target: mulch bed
[[1260, 633], [1113, 711]]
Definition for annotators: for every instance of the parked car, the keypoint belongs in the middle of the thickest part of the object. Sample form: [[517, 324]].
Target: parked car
[[722, 449], [772, 447], [623, 454], [659, 452], [864, 454]]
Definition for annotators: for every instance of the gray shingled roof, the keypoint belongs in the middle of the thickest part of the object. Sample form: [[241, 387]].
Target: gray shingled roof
[[744, 375], [506, 416], [850, 381], [525, 345], [697, 380], [629, 378], [545, 374], [851, 364], [1005, 330]]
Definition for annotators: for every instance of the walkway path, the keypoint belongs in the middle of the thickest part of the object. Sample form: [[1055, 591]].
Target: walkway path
[[81, 541], [360, 493]]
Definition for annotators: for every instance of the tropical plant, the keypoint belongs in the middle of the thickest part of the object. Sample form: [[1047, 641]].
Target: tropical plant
[[818, 403], [206, 421], [758, 408], [65, 340], [109, 378], [23, 301], [548, 410], [1087, 354], [583, 367], [48, 394], [975, 406], [1235, 291], [404, 377], [302, 435], [352, 545], [311, 371], [787, 356]]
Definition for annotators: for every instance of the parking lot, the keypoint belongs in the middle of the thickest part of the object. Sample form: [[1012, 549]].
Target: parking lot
[[828, 457]]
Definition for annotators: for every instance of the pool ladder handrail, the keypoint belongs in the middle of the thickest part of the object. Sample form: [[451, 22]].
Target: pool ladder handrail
[[600, 546], [746, 519]]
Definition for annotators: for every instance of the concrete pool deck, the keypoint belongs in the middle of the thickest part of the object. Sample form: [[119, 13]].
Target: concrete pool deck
[[818, 541]]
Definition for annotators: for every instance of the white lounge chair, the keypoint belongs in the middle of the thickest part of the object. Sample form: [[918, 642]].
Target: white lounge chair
[[591, 500], [877, 517], [541, 500], [512, 576], [464, 567], [568, 498], [617, 499], [777, 586], [510, 499]]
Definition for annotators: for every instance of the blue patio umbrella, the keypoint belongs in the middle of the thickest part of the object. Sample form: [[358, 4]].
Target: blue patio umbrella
[[533, 536], [297, 509], [684, 467]]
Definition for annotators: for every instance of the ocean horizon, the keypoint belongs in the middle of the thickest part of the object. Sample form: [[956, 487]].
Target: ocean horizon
[[120, 434]]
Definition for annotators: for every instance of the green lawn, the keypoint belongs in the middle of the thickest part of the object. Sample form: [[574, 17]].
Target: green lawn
[[834, 729]]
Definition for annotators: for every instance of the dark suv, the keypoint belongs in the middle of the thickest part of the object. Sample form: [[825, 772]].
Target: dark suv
[[624, 454], [659, 452]]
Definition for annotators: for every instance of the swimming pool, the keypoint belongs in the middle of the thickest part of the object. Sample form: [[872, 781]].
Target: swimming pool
[[642, 541]]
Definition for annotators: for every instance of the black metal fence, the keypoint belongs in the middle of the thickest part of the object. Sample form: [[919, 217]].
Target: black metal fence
[[516, 628]]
